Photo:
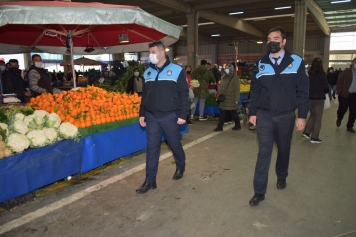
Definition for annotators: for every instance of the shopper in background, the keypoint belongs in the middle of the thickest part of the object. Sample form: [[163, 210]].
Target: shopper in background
[[14, 83], [2, 70], [188, 71], [201, 93], [164, 106], [135, 83], [216, 73], [318, 86], [346, 90], [280, 85], [231, 89], [332, 80]]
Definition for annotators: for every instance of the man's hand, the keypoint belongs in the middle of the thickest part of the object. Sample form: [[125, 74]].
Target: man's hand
[[27, 93], [180, 121], [300, 124], [253, 120], [142, 121]]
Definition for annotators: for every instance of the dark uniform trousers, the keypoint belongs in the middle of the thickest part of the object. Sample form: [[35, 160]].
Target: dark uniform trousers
[[347, 103], [154, 128], [272, 129]]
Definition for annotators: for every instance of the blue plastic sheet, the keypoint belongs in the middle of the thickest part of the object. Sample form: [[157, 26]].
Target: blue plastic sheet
[[35, 168]]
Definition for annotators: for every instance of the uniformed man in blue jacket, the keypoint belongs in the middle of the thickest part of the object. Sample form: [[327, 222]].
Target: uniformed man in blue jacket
[[280, 85], [164, 106]]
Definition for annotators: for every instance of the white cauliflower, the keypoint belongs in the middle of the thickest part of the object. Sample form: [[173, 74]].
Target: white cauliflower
[[17, 142], [37, 138], [30, 122], [18, 126], [5, 127], [68, 131], [41, 117], [51, 134], [53, 121], [17, 117]]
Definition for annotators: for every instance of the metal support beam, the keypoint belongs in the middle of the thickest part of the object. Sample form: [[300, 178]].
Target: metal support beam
[[218, 4], [177, 5], [326, 52], [318, 15], [232, 22], [300, 20], [192, 39]]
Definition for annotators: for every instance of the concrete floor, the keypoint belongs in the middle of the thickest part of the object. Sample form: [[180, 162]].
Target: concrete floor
[[212, 198]]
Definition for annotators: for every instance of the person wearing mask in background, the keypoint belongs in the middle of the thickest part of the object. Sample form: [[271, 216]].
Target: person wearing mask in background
[[135, 83], [318, 86], [346, 90], [164, 106], [216, 73], [2, 70], [332, 80], [14, 83], [38, 78], [201, 93], [280, 85], [188, 70], [231, 89]]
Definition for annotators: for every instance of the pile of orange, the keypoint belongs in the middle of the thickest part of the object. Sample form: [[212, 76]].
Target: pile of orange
[[89, 106]]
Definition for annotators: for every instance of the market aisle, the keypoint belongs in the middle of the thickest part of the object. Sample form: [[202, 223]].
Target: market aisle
[[212, 198]]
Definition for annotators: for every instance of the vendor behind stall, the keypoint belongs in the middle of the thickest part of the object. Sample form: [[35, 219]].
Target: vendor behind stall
[[38, 78], [135, 83], [13, 81]]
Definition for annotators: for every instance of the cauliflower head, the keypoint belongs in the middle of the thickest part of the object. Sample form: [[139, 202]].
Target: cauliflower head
[[5, 127], [18, 126], [51, 135], [17, 142], [41, 117], [37, 138], [68, 131], [53, 120], [17, 116]]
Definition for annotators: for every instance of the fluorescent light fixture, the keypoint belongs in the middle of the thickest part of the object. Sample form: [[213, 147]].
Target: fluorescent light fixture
[[202, 24], [259, 42], [279, 8], [341, 1], [235, 13], [215, 35], [346, 25], [167, 49]]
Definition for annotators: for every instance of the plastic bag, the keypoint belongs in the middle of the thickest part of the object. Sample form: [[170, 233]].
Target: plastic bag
[[327, 102], [191, 93]]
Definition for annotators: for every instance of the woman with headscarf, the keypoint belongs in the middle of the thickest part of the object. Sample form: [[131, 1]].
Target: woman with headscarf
[[231, 89], [318, 86]]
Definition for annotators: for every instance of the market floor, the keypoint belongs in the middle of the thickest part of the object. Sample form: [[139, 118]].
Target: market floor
[[212, 198]]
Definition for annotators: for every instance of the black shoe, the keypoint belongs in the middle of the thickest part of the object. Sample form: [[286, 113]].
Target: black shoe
[[190, 122], [281, 183], [338, 123], [334, 97], [217, 130], [178, 174], [236, 128], [145, 187], [256, 199], [351, 130], [314, 140], [306, 135]]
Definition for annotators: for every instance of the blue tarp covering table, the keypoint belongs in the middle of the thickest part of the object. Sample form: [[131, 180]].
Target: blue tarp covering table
[[35, 168]]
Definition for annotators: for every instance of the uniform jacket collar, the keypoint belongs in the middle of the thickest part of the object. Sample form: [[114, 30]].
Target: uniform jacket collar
[[286, 61]]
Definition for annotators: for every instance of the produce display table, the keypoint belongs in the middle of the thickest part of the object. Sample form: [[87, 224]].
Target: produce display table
[[35, 168], [212, 107]]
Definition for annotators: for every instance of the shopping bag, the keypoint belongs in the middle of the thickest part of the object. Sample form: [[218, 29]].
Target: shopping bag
[[327, 102], [221, 98], [191, 93]]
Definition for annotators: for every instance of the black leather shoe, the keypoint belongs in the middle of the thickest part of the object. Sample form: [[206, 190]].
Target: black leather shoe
[[338, 123], [281, 183], [351, 130], [145, 187], [178, 174], [236, 128], [256, 199], [217, 130]]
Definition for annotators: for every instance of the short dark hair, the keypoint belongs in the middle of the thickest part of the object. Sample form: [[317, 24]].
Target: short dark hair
[[278, 29], [14, 61], [203, 62], [186, 66], [353, 60], [36, 55], [316, 66], [157, 44], [209, 64]]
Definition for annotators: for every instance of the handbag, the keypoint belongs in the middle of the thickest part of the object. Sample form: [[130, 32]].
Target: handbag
[[220, 97], [327, 102]]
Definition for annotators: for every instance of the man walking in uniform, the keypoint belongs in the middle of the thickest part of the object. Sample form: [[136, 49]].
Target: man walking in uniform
[[165, 105], [280, 85]]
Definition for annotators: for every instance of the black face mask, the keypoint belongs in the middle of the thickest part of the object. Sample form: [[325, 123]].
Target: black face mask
[[188, 72], [274, 47]]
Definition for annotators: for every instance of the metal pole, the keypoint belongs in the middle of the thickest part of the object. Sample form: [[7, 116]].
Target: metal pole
[[72, 58]]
